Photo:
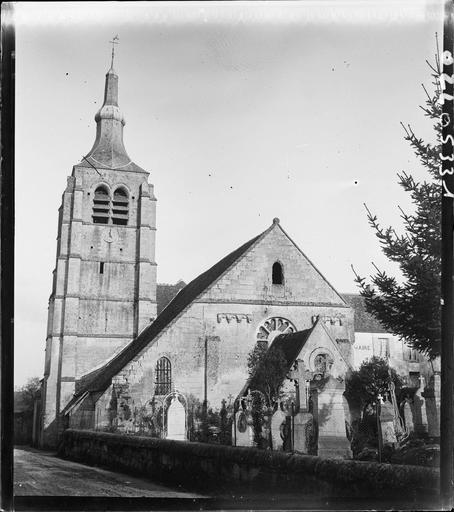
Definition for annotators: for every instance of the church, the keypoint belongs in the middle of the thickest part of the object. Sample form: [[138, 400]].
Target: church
[[111, 357]]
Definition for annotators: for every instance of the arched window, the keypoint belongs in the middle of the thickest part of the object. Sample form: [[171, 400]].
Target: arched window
[[101, 206], [278, 277], [120, 207], [163, 381]]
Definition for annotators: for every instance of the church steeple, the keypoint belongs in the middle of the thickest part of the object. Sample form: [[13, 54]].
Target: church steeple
[[106, 237], [108, 151]]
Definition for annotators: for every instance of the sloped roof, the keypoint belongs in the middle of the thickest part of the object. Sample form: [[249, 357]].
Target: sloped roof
[[108, 151], [291, 345], [165, 293], [101, 378], [364, 321]]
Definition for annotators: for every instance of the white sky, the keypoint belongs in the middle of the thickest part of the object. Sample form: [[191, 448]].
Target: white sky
[[241, 111]]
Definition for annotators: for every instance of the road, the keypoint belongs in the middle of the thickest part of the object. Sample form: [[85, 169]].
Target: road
[[38, 473]]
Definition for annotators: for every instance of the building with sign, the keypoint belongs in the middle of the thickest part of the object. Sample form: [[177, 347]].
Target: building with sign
[[372, 339]]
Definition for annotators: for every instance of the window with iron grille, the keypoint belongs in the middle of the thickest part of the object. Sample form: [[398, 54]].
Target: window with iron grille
[[163, 376]]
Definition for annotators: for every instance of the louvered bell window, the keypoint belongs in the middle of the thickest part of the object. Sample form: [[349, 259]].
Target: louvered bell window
[[101, 206], [120, 207]]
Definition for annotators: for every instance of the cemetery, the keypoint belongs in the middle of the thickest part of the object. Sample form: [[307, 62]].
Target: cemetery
[[299, 438], [290, 444], [309, 411]]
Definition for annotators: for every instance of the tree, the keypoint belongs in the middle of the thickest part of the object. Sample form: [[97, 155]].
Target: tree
[[24, 405], [28, 393], [362, 388], [267, 371], [373, 377], [411, 308]]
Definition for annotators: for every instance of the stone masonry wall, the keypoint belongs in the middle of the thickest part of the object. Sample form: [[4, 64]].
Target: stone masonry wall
[[251, 279], [221, 467]]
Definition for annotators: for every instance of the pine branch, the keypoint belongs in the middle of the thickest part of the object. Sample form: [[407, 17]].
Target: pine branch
[[410, 308], [431, 67]]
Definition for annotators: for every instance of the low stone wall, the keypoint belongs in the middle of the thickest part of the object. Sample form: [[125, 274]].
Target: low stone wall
[[222, 468]]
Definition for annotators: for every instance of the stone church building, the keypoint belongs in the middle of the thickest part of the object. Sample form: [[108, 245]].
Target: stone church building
[[110, 356]]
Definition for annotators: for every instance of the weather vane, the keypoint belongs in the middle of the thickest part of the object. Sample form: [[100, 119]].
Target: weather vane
[[114, 41]]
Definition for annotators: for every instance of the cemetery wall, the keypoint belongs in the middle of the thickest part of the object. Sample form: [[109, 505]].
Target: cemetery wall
[[224, 467]]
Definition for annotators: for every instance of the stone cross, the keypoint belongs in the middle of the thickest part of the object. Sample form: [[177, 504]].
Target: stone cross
[[301, 376], [408, 417], [422, 382], [249, 400]]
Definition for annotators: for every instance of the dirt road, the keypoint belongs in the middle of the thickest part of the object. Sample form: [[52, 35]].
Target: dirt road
[[38, 473]]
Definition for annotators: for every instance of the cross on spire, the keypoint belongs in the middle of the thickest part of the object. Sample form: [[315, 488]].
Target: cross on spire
[[115, 40]]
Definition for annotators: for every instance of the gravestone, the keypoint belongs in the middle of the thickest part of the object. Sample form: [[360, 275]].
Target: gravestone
[[300, 375], [332, 435], [437, 388], [408, 417], [388, 431], [303, 422], [437, 399], [432, 402], [303, 432], [244, 434], [176, 421], [266, 427], [278, 422], [287, 434], [419, 408]]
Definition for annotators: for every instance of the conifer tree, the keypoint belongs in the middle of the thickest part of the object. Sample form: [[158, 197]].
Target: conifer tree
[[410, 308]]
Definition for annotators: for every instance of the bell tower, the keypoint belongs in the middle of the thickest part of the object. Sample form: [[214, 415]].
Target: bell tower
[[104, 281]]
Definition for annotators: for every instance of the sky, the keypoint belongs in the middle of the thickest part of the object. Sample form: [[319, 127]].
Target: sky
[[240, 111]]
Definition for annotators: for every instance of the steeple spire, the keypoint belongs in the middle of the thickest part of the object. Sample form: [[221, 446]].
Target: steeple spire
[[108, 151]]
